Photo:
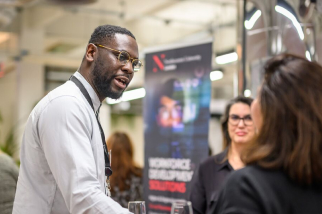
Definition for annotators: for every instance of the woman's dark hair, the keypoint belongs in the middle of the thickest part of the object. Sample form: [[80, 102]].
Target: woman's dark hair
[[290, 137], [224, 120], [123, 164]]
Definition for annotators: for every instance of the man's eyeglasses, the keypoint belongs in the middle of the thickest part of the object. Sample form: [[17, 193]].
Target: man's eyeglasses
[[124, 57], [235, 119]]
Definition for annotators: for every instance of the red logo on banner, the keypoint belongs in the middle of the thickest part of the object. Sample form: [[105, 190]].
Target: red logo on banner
[[170, 186], [158, 62]]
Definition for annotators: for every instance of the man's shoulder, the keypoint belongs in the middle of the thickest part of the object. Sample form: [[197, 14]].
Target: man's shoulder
[[67, 89], [63, 95]]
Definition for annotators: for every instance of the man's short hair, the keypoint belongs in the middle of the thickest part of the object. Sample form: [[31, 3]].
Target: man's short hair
[[105, 33]]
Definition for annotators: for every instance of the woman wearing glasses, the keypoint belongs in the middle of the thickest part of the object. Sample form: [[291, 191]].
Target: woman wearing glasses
[[238, 129], [126, 182]]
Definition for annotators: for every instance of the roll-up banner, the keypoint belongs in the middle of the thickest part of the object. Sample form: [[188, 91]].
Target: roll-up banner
[[176, 119]]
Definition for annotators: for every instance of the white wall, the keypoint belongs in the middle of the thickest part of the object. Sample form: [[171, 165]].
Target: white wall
[[20, 90], [7, 103], [105, 119], [30, 89], [133, 126], [215, 136]]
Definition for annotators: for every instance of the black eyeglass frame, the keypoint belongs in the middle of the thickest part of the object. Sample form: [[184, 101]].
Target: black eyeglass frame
[[131, 59], [240, 118]]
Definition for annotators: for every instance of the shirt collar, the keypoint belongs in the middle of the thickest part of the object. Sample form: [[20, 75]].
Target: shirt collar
[[222, 161], [96, 102]]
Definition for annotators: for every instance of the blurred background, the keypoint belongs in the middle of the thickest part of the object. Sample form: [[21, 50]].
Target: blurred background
[[42, 43]]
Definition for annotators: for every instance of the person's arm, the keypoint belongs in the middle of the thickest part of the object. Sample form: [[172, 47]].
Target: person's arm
[[238, 196], [198, 193], [14, 170], [65, 130]]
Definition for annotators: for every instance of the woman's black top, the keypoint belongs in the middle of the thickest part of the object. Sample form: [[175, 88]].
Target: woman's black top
[[256, 190], [207, 181], [134, 192]]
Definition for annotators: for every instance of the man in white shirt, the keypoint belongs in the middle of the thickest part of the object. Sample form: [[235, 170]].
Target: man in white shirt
[[62, 156]]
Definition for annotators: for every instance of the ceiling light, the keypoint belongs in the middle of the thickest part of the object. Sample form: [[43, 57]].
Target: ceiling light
[[247, 93], [216, 75], [128, 95], [112, 101], [289, 15], [250, 23], [125, 105], [227, 58], [4, 37]]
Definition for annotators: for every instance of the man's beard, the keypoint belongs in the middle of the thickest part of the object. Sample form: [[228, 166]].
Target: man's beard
[[103, 84]]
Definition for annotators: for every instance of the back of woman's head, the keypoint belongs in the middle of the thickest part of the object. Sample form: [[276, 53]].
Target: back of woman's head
[[224, 120], [290, 135], [122, 161], [121, 146]]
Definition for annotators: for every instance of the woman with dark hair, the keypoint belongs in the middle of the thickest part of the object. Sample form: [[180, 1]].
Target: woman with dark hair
[[238, 130], [284, 172], [126, 181]]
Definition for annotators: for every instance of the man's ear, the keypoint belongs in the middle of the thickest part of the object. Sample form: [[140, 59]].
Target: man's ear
[[91, 52]]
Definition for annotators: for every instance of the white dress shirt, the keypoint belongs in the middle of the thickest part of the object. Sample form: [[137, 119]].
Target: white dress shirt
[[62, 157]]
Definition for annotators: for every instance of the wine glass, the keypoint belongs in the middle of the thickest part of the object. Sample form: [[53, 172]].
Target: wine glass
[[137, 207], [181, 207]]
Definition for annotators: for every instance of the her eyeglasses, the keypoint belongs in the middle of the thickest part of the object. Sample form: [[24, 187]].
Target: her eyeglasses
[[235, 119], [123, 57]]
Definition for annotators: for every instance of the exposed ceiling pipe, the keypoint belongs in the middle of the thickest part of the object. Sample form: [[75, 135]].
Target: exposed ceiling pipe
[[299, 12], [268, 13]]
